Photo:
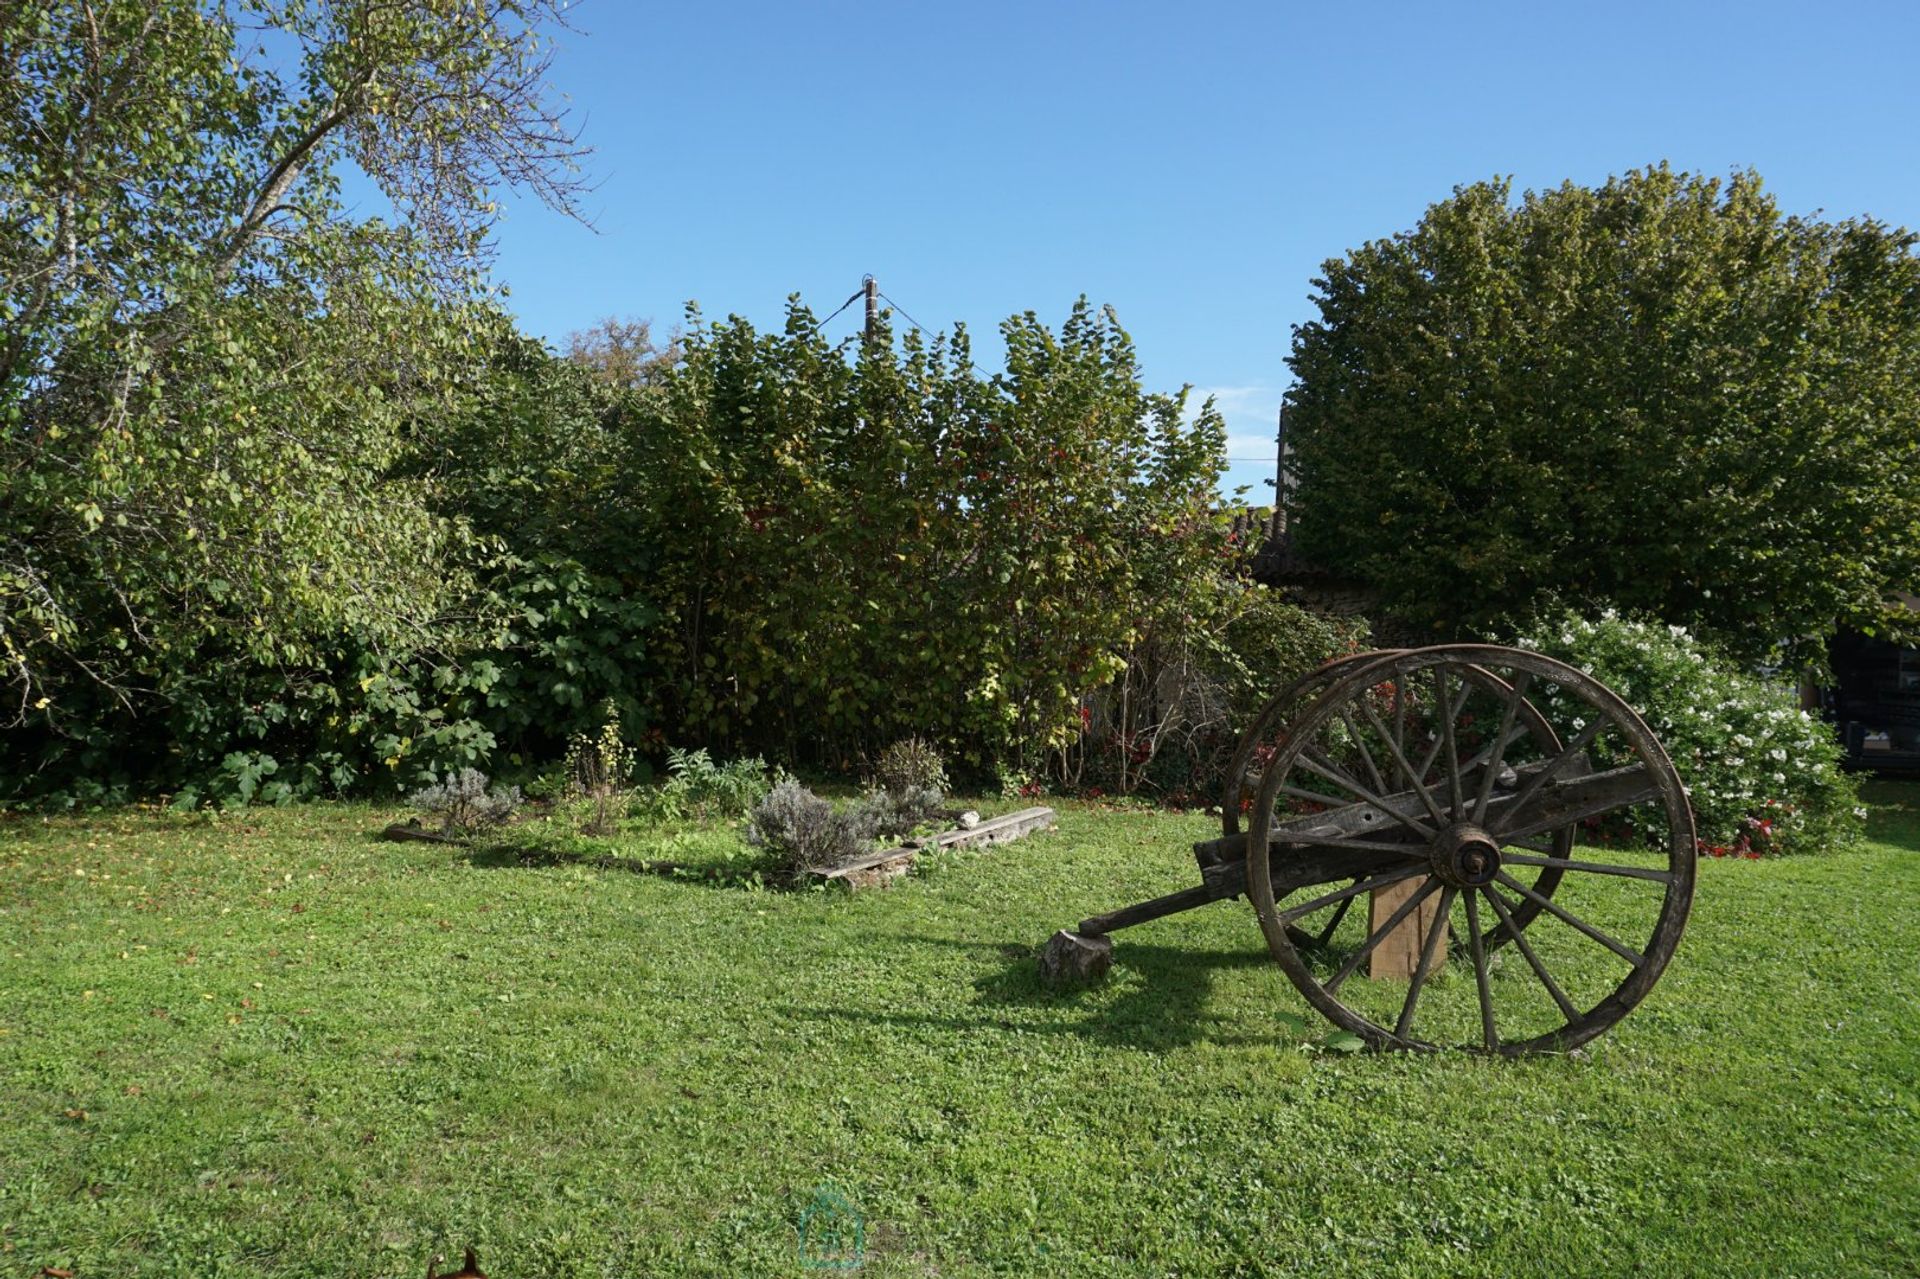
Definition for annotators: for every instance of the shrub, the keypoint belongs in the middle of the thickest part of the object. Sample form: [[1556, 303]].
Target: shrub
[[910, 544], [599, 771], [1763, 774], [909, 787], [893, 813], [699, 787], [911, 764], [464, 804], [1170, 722], [796, 829]]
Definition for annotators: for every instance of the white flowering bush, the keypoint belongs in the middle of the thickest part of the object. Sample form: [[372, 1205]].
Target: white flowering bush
[[1764, 775]]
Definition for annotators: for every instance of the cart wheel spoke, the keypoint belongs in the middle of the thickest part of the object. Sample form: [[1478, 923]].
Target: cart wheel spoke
[[1489, 1037], [1533, 961], [1340, 913], [1427, 954], [1448, 713], [1574, 750], [1346, 895], [1597, 868], [1366, 756], [1320, 768], [1578, 924], [1456, 803], [1414, 781], [1490, 771]]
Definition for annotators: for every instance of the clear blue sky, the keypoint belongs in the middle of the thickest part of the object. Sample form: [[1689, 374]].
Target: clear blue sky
[[1192, 165]]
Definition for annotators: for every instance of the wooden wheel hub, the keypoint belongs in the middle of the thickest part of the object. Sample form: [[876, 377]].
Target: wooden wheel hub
[[1465, 856]]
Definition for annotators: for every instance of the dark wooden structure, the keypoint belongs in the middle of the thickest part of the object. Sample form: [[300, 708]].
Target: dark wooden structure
[[1448, 785], [1874, 701]]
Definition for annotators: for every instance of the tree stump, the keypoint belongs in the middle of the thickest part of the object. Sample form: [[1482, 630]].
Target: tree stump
[[1071, 959]]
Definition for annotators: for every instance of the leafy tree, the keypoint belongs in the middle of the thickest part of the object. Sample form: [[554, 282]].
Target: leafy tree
[[622, 352], [851, 551], [1660, 394], [206, 367], [539, 465]]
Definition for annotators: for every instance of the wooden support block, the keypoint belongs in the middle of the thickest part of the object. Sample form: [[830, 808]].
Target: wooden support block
[[1071, 959], [1398, 955]]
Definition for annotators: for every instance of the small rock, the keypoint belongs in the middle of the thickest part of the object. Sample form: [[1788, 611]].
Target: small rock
[[1069, 957], [969, 819]]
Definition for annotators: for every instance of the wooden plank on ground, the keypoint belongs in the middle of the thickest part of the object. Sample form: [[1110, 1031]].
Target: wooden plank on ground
[[996, 830], [874, 870]]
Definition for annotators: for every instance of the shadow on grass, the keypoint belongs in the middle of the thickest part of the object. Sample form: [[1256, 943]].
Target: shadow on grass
[[1893, 811], [1164, 1007], [515, 857]]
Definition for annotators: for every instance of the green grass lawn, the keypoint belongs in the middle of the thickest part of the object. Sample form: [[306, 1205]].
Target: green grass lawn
[[270, 1045]]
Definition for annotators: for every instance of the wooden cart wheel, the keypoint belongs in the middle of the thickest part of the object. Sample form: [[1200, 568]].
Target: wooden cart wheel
[[1440, 768]]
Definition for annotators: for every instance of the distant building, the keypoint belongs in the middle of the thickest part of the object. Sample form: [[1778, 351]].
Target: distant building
[[1874, 700]]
